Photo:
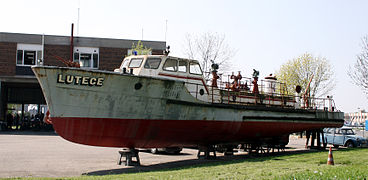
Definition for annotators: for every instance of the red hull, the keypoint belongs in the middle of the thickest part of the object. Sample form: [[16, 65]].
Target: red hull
[[141, 133]]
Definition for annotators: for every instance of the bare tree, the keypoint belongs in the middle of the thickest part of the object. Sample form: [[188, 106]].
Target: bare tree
[[208, 47], [359, 74]]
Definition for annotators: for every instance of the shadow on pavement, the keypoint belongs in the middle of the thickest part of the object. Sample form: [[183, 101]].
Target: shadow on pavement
[[221, 160], [28, 132], [165, 153]]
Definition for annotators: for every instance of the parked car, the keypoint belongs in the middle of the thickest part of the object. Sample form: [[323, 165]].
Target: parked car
[[170, 150], [344, 136]]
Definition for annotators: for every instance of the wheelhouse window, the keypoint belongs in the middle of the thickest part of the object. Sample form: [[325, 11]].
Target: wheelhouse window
[[87, 57], [171, 65], [195, 68], [28, 54], [152, 63], [135, 62], [125, 63], [182, 66]]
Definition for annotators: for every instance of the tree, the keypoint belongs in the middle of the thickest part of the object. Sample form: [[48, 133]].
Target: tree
[[300, 70], [359, 74], [140, 49], [208, 47]]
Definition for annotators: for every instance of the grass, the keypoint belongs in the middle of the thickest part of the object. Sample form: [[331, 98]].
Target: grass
[[349, 164]]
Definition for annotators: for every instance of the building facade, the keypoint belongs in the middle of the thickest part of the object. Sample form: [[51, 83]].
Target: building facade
[[18, 52], [356, 118]]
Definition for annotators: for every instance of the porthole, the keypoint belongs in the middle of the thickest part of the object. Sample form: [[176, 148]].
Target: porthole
[[137, 86], [201, 92]]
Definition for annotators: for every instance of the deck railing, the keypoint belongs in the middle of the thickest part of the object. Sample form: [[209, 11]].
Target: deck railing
[[270, 93]]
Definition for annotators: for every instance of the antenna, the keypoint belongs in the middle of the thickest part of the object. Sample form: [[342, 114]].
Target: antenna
[[142, 34], [78, 18], [43, 49], [166, 30]]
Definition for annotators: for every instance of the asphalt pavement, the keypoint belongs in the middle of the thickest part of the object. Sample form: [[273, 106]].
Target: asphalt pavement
[[45, 154]]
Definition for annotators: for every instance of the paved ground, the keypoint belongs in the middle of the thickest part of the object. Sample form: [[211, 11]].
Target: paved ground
[[44, 154]]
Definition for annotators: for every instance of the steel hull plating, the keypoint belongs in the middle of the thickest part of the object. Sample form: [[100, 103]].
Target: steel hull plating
[[166, 133], [115, 110]]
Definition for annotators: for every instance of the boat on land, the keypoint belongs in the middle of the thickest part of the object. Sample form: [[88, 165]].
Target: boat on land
[[154, 101]]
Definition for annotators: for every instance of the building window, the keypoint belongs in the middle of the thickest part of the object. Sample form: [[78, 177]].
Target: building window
[[86, 57], [29, 54]]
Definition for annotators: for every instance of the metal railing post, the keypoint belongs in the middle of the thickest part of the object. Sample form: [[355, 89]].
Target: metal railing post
[[212, 94]]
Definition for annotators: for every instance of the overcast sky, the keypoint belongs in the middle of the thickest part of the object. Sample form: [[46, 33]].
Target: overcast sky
[[265, 34]]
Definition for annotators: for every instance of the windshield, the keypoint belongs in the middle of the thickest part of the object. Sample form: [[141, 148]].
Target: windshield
[[152, 63], [328, 130], [135, 62], [125, 63]]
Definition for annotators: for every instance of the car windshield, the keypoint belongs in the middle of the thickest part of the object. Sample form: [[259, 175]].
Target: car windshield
[[328, 130]]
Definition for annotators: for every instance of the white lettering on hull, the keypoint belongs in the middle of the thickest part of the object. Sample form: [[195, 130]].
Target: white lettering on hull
[[80, 80]]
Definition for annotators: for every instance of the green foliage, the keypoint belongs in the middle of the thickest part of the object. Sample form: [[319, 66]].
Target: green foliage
[[299, 71], [11, 107], [140, 49]]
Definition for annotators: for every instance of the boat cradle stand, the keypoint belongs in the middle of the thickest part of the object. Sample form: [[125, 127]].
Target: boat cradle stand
[[206, 150], [316, 135], [129, 153]]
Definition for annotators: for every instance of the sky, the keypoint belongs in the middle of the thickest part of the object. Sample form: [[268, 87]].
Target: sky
[[264, 33]]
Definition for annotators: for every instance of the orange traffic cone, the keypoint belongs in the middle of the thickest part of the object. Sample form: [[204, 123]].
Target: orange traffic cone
[[330, 160]]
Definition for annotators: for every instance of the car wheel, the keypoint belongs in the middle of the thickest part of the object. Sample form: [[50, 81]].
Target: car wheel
[[154, 150], [349, 144], [336, 146]]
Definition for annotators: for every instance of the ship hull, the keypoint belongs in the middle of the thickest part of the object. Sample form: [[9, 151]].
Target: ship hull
[[145, 133], [116, 110]]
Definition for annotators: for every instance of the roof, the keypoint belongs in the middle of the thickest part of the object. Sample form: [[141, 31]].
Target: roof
[[78, 41], [170, 57]]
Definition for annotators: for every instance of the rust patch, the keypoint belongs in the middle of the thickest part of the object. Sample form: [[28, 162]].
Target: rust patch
[[41, 75]]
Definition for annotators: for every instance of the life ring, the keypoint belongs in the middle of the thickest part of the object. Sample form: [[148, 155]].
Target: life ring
[[47, 119]]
